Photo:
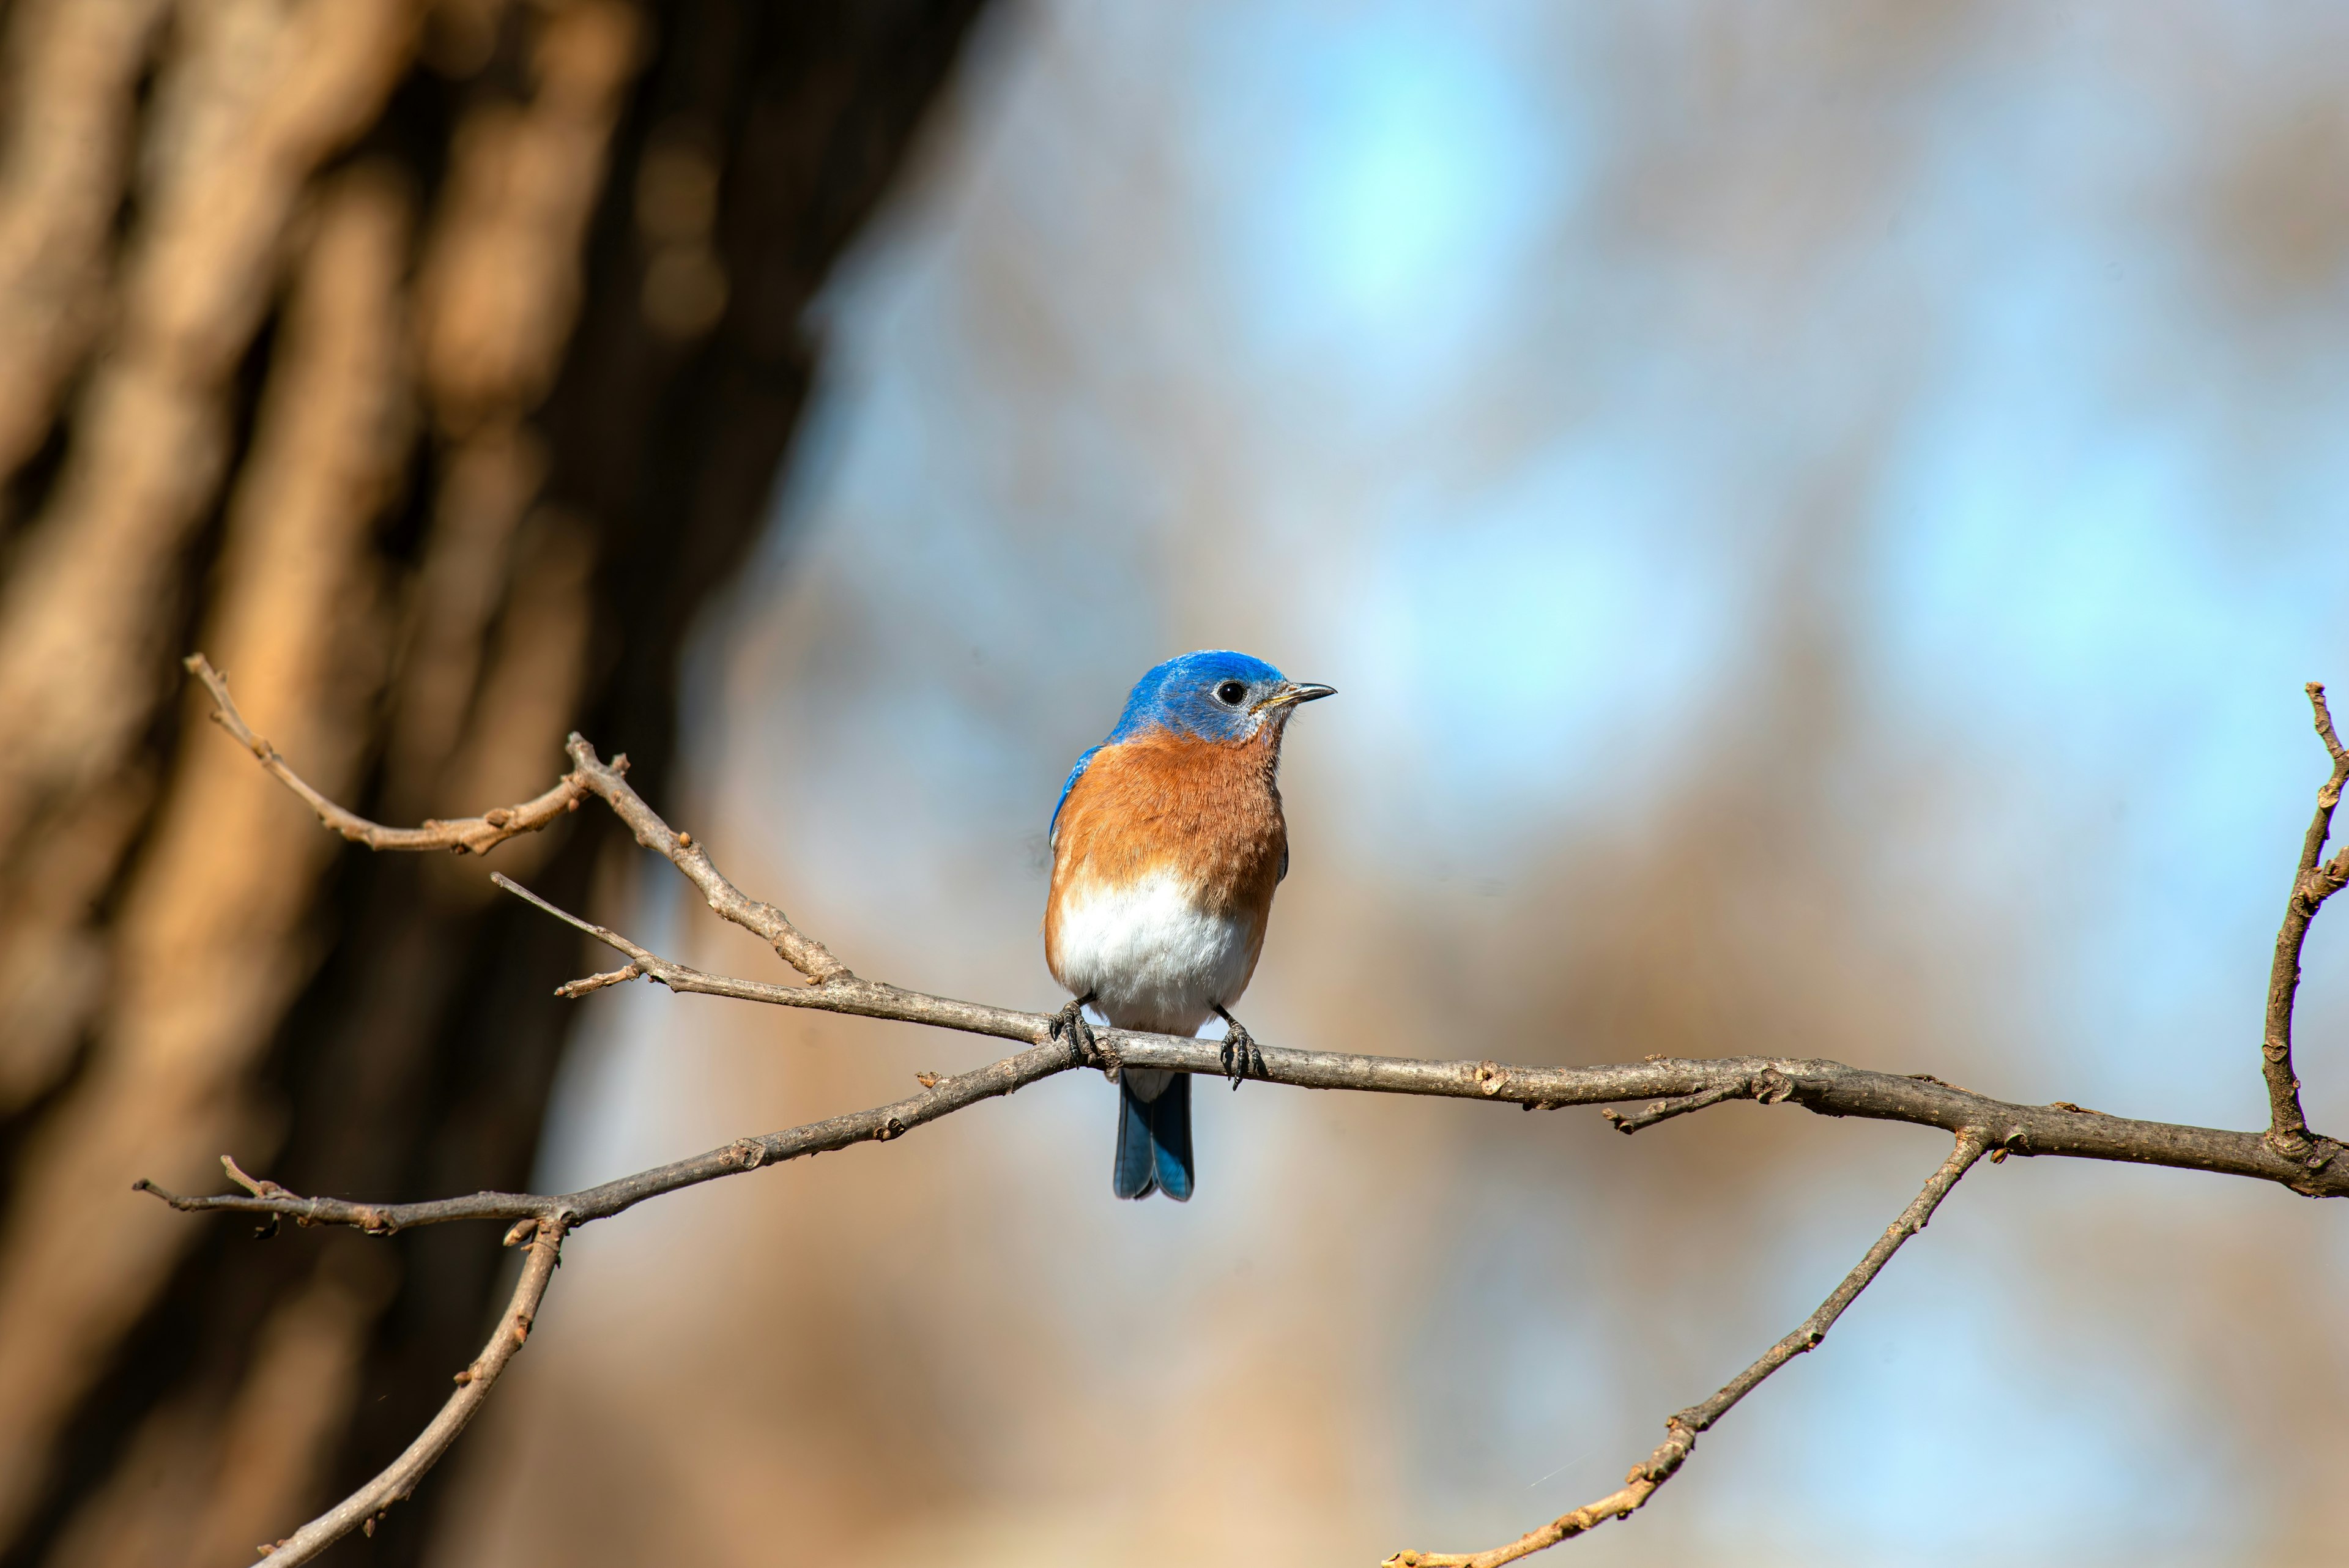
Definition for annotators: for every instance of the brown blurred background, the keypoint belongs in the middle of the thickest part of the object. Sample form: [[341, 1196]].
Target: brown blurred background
[[1818, 514], [425, 364]]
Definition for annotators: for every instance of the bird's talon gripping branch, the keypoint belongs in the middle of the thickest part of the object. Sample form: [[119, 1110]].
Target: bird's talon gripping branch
[[1239, 1052], [1070, 1020]]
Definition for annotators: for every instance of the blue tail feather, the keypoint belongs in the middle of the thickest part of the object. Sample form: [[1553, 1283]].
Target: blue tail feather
[[1135, 1174], [1171, 1134], [1154, 1141]]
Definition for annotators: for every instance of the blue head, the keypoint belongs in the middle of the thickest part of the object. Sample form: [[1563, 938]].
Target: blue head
[[1212, 695]]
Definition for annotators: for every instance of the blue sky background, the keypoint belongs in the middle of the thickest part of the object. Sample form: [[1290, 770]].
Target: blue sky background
[[1819, 515]]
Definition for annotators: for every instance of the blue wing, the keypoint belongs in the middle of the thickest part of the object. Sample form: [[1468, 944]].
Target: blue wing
[[1075, 773]]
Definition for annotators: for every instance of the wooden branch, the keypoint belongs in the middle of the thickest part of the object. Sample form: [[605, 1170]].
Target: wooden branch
[[879, 1125], [1767, 1087], [794, 947], [2313, 881], [1829, 1088], [2286, 1154], [397, 1481], [465, 835], [479, 834], [1682, 1429], [1824, 1088]]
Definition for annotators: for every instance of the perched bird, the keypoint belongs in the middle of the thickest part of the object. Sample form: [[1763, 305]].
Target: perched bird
[[1167, 843]]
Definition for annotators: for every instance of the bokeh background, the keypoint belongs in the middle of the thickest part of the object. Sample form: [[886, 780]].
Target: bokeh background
[[1819, 515]]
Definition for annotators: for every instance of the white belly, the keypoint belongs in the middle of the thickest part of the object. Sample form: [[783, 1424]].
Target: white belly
[[1152, 958]]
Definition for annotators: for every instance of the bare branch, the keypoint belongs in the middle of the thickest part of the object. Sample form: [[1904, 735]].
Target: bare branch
[[843, 992], [1972, 1142], [1829, 1088], [465, 835], [1826, 1089], [879, 1125], [397, 1481], [795, 948], [2313, 882], [1682, 1429]]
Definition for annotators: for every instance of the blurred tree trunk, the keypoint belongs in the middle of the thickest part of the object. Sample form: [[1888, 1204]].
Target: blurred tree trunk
[[428, 365]]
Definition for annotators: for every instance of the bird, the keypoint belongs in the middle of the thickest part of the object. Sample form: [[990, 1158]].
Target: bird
[[1167, 843]]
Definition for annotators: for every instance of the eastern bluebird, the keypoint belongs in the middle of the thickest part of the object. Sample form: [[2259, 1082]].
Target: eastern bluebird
[[1167, 843]]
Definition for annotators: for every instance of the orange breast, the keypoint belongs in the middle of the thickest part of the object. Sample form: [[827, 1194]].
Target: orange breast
[[1204, 813]]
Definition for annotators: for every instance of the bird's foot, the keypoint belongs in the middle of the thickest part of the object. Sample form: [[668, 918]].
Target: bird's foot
[[1070, 1020], [1239, 1049]]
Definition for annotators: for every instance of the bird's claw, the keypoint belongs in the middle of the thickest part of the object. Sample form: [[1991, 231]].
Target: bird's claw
[[1239, 1049], [1071, 1019]]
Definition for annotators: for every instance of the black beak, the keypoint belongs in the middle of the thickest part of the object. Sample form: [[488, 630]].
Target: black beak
[[1309, 694]]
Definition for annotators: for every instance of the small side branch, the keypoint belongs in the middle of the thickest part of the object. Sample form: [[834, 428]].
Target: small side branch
[[465, 835], [1972, 1142], [1768, 1086], [843, 992], [572, 989], [479, 834], [397, 1481], [1682, 1429], [793, 946], [2313, 881]]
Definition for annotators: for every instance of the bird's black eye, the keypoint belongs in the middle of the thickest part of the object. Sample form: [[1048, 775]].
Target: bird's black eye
[[1230, 692]]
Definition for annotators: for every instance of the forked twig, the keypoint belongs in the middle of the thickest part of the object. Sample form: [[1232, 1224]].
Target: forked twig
[[465, 835], [2313, 880], [793, 946]]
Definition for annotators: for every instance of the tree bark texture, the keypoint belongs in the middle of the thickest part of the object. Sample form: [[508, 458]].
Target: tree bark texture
[[429, 365]]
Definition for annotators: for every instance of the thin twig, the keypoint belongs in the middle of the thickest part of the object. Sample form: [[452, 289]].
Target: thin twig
[[1648, 1116], [571, 989], [464, 835], [793, 946], [252, 1184], [880, 1124], [1769, 1088], [843, 992], [2312, 883], [479, 834], [1683, 1428], [397, 1481]]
